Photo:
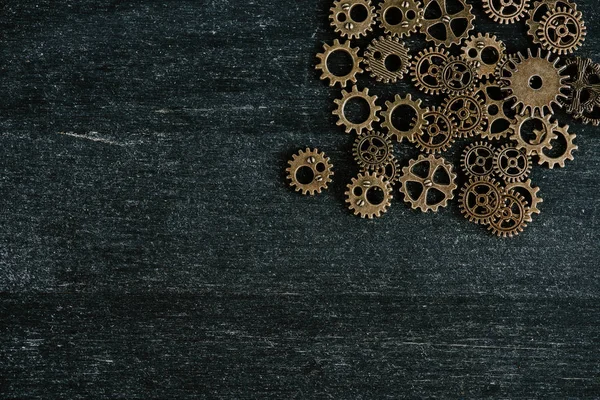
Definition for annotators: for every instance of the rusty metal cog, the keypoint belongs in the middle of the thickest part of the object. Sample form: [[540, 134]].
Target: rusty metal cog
[[562, 31], [469, 113], [439, 132], [506, 11], [583, 85], [540, 8], [389, 171], [458, 76], [499, 124], [542, 137], [426, 68], [529, 192], [480, 199], [341, 18], [512, 164], [358, 127], [387, 59], [503, 70], [512, 216], [486, 51], [327, 74], [362, 196], [417, 123], [309, 171], [456, 26], [372, 150], [553, 161], [478, 160], [400, 17]]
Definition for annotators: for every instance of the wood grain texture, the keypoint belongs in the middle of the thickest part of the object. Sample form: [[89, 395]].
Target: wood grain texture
[[152, 249]]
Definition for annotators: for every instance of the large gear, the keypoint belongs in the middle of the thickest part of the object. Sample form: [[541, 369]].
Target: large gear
[[372, 150], [327, 74], [436, 185], [498, 124], [553, 161], [426, 68], [540, 8], [512, 164], [400, 17], [562, 31], [543, 138], [448, 21], [512, 216], [506, 11], [477, 160], [358, 127], [359, 199], [378, 55], [318, 168], [458, 76], [416, 124], [480, 199], [469, 113], [341, 18], [476, 49], [531, 194], [439, 132], [583, 90]]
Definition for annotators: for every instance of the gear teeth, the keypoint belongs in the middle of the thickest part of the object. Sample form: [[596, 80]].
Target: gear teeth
[[406, 27], [533, 193], [488, 208], [479, 43], [366, 125], [347, 27], [469, 67], [423, 59], [465, 128], [560, 161], [372, 150], [540, 8], [497, 16], [451, 37], [334, 80], [310, 159], [518, 221], [417, 123], [484, 162], [443, 126], [357, 199], [544, 35], [522, 165]]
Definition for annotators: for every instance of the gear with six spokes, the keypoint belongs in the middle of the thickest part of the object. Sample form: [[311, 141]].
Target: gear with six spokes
[[439, 132], [541, 8], [426, 67], [469, 112]]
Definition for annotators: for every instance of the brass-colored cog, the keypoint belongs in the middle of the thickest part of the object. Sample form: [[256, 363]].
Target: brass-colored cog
[[358, 127], [540, 8], [379, 52], [583, 92], [477, 160], [447, 21], [506, 11], [512, 216], [543, 137], [498, 125], [512, 164], [310, 161], [416, 124], [562, 31], [553, 161], [390, 171], [458, 76], [327, 74], [480, 199], [529, 192], [372, 150], [357, 195], [503, 70], [477, 47], [468, 111], [400, 17], [426, 68], [341, 18], [438, 134]]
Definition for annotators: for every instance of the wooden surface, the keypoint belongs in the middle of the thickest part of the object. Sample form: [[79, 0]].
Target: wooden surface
[[151, 248]]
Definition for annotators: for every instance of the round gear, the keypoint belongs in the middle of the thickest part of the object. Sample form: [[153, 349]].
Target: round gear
[[553, 161], [512, 216], [416, 124], [478, 160], [327, 74], [591, 117], [469, 113], [458, 76], [435, 179], [341, 18], [360, 190], [480, 200], [512, 164], [562, 31], [543, 137], [529, 192], [582, 92], [503, 70], [390, 171], [426, 68], [506, 11], [540, 8], [384, 53], [400, 17], [438, 134], [372, 150], [314, 165], [498, 124], [477, 48], [358, 127], [456, 26]]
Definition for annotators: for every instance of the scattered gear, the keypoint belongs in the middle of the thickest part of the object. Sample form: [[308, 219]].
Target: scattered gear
[[539, 10], [426, 68], [390, 171], [327, 74], [512, 164], [387, 59], [369, 195], [512, 216], [309, 171], [486, 52], [543, 137], [456, 26], [498, 124], [458, 76], [469, 113], [562, 31], [358, 127], [530, 193], [583, 90], [506, 11], [480, 200], [478, 160], [553, 161], [400, 17], [372, 150], [438, 134], [417, 123]]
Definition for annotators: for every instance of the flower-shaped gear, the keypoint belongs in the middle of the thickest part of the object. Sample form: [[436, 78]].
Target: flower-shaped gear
[[540, 8], [426, 68], [327, 74], [387, 59], [436, 183], [480, 200], [498, 125], [477, 48], [458, 76], [512, 216], [512, 164], [400, 17], [503, 70], [309, 171], [477, 160], [390, 171], [506, 11], [469, 113], [438, 134], [362, 198], [553, 161], [456, 26], [341, 18], [583, 91], [529, 192], [562, 31], [372, 150], [415, 125], [543, 137], [536, 84], [358, 127]]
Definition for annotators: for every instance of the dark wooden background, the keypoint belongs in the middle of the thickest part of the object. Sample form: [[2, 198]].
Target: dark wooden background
[[151, 248]]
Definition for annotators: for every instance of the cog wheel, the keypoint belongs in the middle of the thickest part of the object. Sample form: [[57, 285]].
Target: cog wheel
[[512, 217], [480, 200], [458, 76], [512, 164], [553, 161], [452, 35], [469, 112], [476, 49], [540, 8], [543, 137], [498, 125], [389, 172], [507, 64], [536, 84], [591, 117], [426, 68], [317, 168], [562, 31], [529, 192], [361, 189], [416, 124], [358, 127], [583, 91], [382, 50], [327, 74], [341, 18], [506, 11], [435, 179], [372, 150], [400, 17], [438, 134], [478, 160]]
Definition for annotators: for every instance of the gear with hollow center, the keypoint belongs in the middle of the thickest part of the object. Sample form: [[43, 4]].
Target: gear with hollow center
[[462, 19], [480, 199], [512, 216], [342, 80], [529, 192], [415, 125], [506, 11], [400, 17], [512, 164], [553, 161], [341, 18], [458, 76], [314, 161], [359, 199], [583, 90], [439, 132], [372, 150], [498, 124], [562, 31], [469, 113], [426, 68], [540, 8], [477, 47], [380, 52], [478, 160], [543, 137], [358, 127]]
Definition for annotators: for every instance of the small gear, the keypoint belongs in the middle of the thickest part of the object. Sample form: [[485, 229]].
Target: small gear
[[426, 68], [367, 124], [327, 74], [362, 189], [372, 150], [341, 18], [456, 26], [530, 193], [583, 91], [390, 171], [415, 125], [498, 124], [512, 216], [315, 165], [506, 11], [469, 113], [591, 117], [480, 200], [478, 160], [400, 17], [562, 31], [540, 8], [560, 160], [543, 137], [383, 51], [438, 134], [512, 164], [458, 76], [477, 48], [506, 64]]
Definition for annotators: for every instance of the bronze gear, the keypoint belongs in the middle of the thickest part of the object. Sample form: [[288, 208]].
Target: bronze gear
[[372, 150], [507, 64], [468, 111], [366, 125], [473, 50], [480, 199], [357, 195], [562, 31], [512, 216], [591, 117], [458, 76], [411, 12], [512, 164], [530, 193], [582, 94], [389, 171], [447, 20], [341, 18], [426, 68], [506, 11], [559, 161], [540, 8], [438, 134], [379, 51], [478, 160], [536, 84], [320, 166], [498, 124], [543, 139], [429, 183], [327, 74], [416, 124]]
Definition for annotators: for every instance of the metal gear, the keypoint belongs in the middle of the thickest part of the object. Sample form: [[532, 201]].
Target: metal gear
[[458, 76], [416, 124], [529, 192], [543, 138], [400, 17], [438, 134], [562, 31], [512, 164], [507, 64], [358, 127], [583, 91], [390, 171], [372, 150], [553, 161], [506, 11], [426, 68], [480, 199], [447, 21], [591, 117], [474, 48], [512, 216], [469, 113], [540, 8], [315, 162], [341, 18], [498, 124], [382, 50], [434, 192], [357, 195], [327, 74], [477, 160]]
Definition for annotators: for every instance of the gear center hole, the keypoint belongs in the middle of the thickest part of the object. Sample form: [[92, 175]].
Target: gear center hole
[[359, 13], [357, 110], [393, 16], [536, 82], [305, 175], [393, 63], [490, 56], [340, 63], [375, 195], [404, 118]]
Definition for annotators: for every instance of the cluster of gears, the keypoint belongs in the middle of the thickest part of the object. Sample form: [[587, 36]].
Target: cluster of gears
[[504, 101]]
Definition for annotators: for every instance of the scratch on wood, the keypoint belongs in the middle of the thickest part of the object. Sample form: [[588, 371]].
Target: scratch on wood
[[94, 139]]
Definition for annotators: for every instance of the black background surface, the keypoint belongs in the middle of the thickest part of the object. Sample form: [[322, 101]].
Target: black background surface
[[152, 249]]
